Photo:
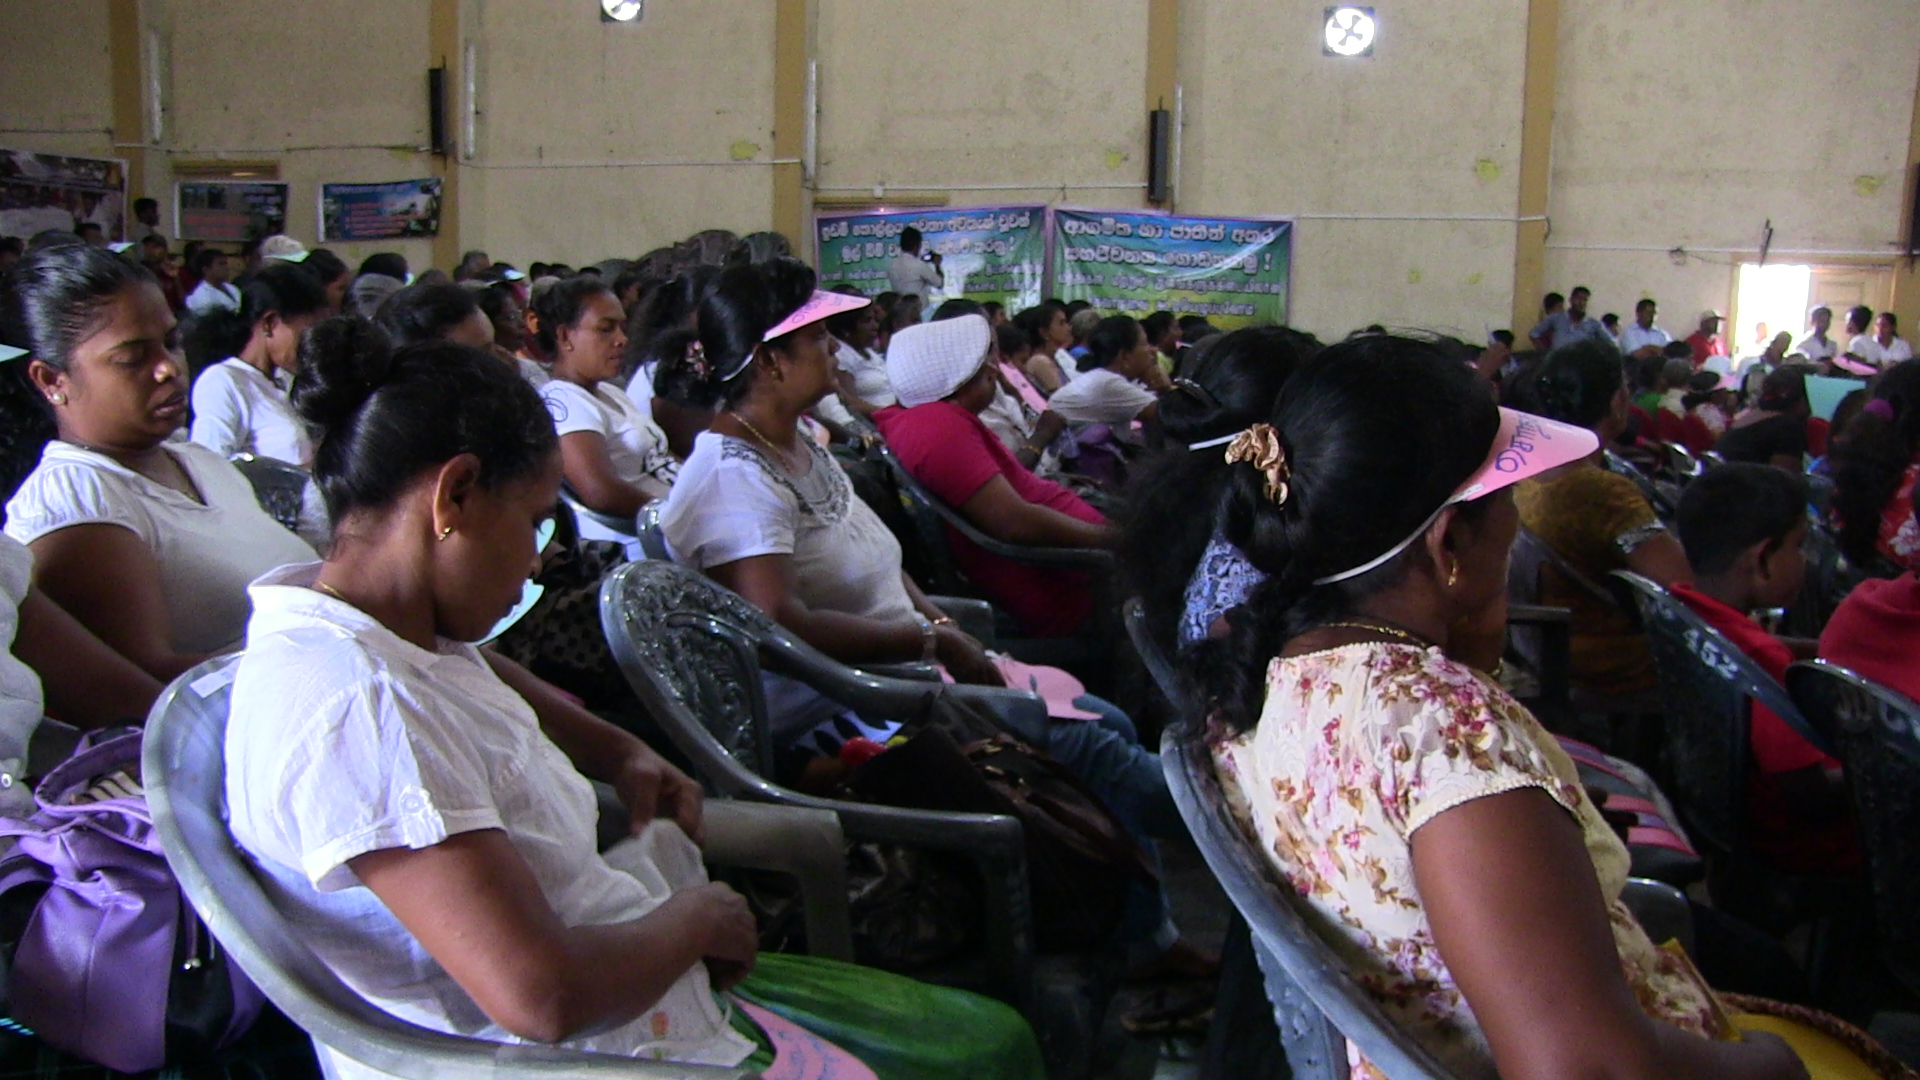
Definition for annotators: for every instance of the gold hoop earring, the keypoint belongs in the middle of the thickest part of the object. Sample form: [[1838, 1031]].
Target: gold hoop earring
[[446, 532]]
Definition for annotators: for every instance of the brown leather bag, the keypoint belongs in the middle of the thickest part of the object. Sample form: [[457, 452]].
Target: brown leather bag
[[1080, 859]]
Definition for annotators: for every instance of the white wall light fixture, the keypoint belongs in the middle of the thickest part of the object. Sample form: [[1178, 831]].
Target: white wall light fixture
[[1350, 31], [622, 11]]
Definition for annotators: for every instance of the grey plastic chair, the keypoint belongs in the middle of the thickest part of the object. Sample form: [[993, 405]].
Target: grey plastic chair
[[693, 653], [1877, 734], [182, 766], [653, 542], [583, 512], [281, 488]]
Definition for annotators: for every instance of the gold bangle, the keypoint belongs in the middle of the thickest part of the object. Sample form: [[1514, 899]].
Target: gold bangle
[[945, 620]]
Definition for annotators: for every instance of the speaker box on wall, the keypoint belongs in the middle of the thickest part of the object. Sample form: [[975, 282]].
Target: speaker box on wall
[[1913, 216], [437, 134], [1159, 155]]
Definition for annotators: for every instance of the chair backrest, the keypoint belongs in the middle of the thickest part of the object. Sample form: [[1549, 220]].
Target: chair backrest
[[1877, 734], [931, 519], [184, 770], [1663, 505], [1316, 1003], [1159, 664], [281, 488], [1708, 687]]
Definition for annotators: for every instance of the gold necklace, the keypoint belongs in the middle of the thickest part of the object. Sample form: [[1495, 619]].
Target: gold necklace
[[330, 591], [1379, 628], [778, 454]]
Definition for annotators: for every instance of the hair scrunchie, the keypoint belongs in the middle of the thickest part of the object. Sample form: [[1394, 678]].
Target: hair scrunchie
[[1260, 447]]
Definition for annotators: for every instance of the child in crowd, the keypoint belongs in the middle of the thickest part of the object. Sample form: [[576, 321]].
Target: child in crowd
[[1742, 526]]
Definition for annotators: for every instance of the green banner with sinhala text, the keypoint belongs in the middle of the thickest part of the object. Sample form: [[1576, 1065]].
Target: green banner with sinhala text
[[987, 252], [1234, 271]]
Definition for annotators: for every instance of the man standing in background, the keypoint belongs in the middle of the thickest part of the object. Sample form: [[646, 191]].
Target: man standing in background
[[1706, 342], [910, 275], [1569, 325], [1817, 346], [1643, 339], [146, 219]]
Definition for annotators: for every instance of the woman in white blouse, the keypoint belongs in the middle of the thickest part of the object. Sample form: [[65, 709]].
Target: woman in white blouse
[[615, 457], [421, 809], [240, 404], [149, 543]]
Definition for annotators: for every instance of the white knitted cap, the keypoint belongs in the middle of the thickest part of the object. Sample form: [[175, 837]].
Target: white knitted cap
[[929, 361]]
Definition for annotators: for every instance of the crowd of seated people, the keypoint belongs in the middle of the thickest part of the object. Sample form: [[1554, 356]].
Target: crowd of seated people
[[1321, 533]]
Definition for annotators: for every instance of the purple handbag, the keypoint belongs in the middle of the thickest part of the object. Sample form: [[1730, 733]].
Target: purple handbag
[[110, 963]]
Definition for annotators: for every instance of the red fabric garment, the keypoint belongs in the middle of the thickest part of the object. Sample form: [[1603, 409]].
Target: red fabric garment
[[1704, 346], [952, 453], [1668, 427], [1696, 435], [1818, 432], [1777, 831], [1875, 633]]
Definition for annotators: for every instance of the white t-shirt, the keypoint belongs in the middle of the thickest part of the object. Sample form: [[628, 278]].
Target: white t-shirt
[[1069, 365], [345, 739], [1633, 338], [1864, 347], [1817, 348], [636, 446], [731, 502], [21, 703], [207, 297], [208, 551], [1895, 352], [912, 275], [1101, 396], [238, 409], [869, 375], [531, 371]]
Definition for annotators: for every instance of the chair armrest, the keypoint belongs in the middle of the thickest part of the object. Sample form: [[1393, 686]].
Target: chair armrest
[[1532, 614], [804, 843], [1661, 910], [975, 617], [623, 526], [875, 693], [910, 672]]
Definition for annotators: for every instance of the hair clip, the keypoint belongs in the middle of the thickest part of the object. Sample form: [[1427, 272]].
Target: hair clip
[[1881, 408], [1197, 392], [1260, 446], [697, 358]]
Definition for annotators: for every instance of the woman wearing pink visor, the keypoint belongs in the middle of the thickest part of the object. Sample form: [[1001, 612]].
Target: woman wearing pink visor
[[1441, 832]]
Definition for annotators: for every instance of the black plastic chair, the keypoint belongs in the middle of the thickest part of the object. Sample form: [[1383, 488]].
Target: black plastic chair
[[583, 512], [1877, 734], [1543, 641], [693, 653], [1098, 653], [183, 769], [1663, 500], [281, 488]]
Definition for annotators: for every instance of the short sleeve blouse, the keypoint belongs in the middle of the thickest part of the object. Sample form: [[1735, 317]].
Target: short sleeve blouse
[[1359, 747], [21, 701], [208, 550], [239, 409], [732, 502]]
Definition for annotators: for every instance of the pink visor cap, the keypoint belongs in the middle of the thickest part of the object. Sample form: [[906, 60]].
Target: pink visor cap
[[1525, 446], [821, 305]]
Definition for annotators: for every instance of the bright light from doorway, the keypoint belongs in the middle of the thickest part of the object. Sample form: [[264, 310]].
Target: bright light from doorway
[[622, 10], [1350, 31], [1769, 299]]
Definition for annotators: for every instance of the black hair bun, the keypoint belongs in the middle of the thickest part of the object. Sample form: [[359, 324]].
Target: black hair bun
[[342, 362], [789, 283]]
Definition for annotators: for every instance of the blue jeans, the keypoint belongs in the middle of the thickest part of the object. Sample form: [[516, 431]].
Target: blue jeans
[[1107, 756]]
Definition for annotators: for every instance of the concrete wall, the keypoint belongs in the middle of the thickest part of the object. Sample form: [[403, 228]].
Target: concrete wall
[[1676, 125], [1689, 125], [1428, 126], [693, 82], [56, 85]]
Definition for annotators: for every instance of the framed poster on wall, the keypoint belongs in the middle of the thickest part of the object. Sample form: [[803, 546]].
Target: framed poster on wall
[[59, 191], [1235, 271], [403, 208], [988, 252], [229, 211]]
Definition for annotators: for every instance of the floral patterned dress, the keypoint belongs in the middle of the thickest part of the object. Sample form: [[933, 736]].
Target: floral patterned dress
[[1358, 747], [1899, 538]]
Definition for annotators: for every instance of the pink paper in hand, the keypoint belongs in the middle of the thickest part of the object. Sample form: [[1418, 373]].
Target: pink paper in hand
[[1055, 687]]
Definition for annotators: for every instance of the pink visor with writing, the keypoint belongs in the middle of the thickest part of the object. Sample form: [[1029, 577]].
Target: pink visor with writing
[[821, 305], [1525, 446]]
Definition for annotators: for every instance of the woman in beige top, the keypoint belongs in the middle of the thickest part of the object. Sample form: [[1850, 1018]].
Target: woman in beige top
[[1438, 832]]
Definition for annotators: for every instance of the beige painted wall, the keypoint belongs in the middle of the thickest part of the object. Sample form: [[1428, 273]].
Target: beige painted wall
[[1677, 124], [978, 94], [1428, 126], [56, 91], [1689, 125], [692, 82]]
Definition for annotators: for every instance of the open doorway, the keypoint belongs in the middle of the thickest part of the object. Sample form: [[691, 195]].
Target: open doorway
[[1768, 300]]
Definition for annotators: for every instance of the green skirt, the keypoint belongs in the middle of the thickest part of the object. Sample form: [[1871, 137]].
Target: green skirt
[[901, 1029]]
